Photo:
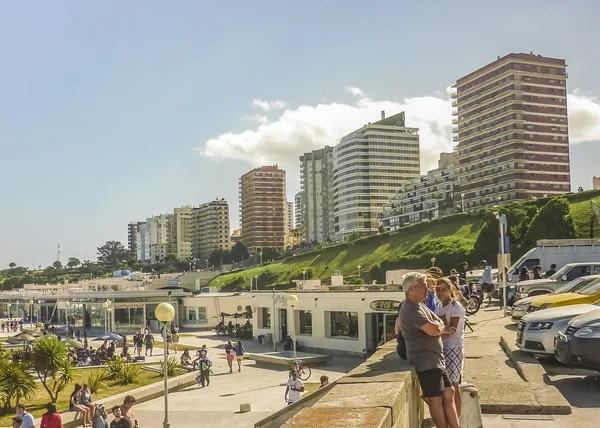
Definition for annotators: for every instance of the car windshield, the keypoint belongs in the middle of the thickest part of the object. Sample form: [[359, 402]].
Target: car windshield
[[591, 289], [558, 275], [572, 286]]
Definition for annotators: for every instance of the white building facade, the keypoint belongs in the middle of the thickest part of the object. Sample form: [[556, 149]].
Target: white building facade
[[426, 198], [316, 179], [143, 243], [370, 165]]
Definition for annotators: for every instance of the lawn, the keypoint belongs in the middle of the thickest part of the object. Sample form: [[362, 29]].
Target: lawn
[[40, 398], [580, 213], [309, 388]]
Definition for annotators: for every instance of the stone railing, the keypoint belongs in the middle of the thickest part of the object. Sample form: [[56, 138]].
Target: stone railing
[[381, 392]]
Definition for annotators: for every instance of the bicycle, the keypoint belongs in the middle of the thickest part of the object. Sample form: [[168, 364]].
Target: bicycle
[[303, 372]]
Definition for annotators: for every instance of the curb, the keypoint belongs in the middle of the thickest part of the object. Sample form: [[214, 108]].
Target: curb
[[506, 347]]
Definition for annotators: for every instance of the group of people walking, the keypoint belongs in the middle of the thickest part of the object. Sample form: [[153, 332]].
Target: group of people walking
[[204, 363]]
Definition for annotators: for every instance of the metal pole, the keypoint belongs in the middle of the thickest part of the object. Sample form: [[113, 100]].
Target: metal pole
[[31, 316], [503, 257], [166, 423], [273, 323], [294, 331]]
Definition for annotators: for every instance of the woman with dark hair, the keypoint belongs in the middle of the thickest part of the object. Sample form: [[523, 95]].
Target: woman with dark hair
[[524, 274], [239, 354], [51, 419], [74, 405], [537, 272]]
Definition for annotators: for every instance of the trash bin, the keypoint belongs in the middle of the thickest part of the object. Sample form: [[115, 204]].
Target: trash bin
[[269, 338], [261, 339]]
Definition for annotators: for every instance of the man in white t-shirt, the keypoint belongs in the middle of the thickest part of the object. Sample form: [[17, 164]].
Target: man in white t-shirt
[[294, 389]]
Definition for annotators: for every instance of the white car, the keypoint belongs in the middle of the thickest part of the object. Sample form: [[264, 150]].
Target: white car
[[521, 307], [536, 331]]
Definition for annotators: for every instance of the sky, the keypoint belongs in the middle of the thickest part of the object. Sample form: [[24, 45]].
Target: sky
[[112, 112]]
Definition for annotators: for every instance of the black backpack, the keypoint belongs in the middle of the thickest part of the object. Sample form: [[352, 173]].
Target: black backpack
[[401, 346]]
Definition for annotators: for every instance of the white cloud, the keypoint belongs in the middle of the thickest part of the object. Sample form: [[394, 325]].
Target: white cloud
[[296, 131], [357, 92], [584, 117], [268, 105]]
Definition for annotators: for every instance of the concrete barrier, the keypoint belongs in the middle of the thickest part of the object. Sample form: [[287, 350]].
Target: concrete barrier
[[382, 392], [470, 409]]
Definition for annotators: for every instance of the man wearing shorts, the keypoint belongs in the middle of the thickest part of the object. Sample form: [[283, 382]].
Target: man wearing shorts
[[487, 282], [421, 330]]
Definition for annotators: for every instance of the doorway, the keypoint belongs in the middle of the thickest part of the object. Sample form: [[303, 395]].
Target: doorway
[[283, 327], [380, 329]]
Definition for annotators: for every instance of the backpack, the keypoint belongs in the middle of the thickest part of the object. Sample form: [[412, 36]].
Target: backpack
[[401, 345]]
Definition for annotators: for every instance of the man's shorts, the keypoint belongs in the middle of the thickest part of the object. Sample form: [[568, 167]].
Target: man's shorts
[[487, 288], [433, 382]]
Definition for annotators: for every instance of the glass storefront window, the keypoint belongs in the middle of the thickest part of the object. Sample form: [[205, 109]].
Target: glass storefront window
[[344, 324], [129, 317], [264, 318], [195, 315]]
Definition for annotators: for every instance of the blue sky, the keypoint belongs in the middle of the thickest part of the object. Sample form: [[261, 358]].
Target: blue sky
[[107, 107]]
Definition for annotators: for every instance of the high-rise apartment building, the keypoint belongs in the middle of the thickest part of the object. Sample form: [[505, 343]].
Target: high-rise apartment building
[[210, 228], [299, 213], [143, 243], [370, 165], [428, 197], [316, 180], [181, 243], [132, 230], [263, 206], [596, 183], [512, 134], [160, 230], [290, 216]]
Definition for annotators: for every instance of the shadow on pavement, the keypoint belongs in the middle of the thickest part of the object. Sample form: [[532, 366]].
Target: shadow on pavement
[[511, 327], [582, 392]]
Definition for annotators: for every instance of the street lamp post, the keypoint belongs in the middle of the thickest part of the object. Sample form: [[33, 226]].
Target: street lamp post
[[31, 313], [67, 304], [105, 306], [8, 306], [359, 268], [261, 258], [502, 224], [462, 202], [433, 262], [165, 312], [303, 278], [293, 301], [255, 283]]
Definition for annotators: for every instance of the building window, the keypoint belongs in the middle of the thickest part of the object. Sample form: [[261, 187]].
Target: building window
[[343, 324], [264, 318], [305, 322]]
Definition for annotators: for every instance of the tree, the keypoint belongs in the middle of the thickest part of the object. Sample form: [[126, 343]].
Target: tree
[[12, 265], [53, 368], [553, 221], [73, 262], [270, 254], [57, 265], [218, 257], [16, 382], [239, 252], [112, 253]]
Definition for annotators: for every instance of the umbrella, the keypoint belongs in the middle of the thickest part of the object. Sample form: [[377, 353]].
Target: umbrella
[[109, 336], [72, 343]]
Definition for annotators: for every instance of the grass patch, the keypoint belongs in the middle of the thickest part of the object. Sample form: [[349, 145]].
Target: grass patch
[[180, 346], [309, 388], [37, 402], [580, 213]]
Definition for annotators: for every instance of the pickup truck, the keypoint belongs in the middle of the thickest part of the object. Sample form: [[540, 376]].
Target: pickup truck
[[567, 273]]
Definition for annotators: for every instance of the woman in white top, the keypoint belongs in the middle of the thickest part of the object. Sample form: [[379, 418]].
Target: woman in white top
[[453, 314]]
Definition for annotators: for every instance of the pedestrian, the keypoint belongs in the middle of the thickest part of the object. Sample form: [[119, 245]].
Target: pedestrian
[[487, 283], [119, 421], [230, 355], [452, 313], [550, 271], [294, 389], [149, 340], [17, 421], [85, 399], [27, 418], [126, 410], [421, 330], [51, 419], [537, 272], [101, 419], [324, 381], [205, 364], [239, 354], [524, 274]]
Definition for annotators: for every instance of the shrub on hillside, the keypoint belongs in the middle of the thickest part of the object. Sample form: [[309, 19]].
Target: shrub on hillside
[[552, 222]]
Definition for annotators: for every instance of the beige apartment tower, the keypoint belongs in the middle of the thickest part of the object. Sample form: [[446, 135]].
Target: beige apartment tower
[[210, 228], [263, 208], [512, 131]]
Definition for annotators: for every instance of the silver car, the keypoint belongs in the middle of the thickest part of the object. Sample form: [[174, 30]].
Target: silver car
[[536, 331], [521, 307]]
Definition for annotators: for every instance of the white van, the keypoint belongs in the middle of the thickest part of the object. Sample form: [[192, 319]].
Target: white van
[[559, 252]]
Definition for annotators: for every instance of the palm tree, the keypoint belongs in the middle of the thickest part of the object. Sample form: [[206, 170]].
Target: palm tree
[[53, 368], [16, 382]]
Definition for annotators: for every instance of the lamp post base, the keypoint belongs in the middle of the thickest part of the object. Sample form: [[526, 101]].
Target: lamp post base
[[166, 424]]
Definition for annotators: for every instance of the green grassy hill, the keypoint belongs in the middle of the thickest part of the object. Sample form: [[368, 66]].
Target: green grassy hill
[[450, 240]]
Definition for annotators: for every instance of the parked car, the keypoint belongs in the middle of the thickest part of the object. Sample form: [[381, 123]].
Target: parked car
[[579, 344], [567, 273], [521, 307], [589, 294], [536, 331]]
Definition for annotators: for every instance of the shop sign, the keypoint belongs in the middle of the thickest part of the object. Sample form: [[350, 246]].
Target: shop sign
[[384, 305]]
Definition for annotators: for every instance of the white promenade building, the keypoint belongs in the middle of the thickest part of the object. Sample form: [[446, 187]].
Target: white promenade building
[[426, 198], [370, 165], [316, 180]]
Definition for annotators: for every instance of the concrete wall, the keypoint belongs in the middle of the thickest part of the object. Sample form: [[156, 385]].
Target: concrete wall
[[381, 392]]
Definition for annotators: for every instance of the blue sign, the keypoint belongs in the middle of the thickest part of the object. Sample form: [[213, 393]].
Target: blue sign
[[173, 282]]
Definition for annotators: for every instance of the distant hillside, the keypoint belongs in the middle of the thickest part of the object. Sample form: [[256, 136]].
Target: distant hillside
[[461, 237]]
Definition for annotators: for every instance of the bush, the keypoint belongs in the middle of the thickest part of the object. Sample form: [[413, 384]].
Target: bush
[[130, 374], [114, 368], [96, 381], [173, 367]]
